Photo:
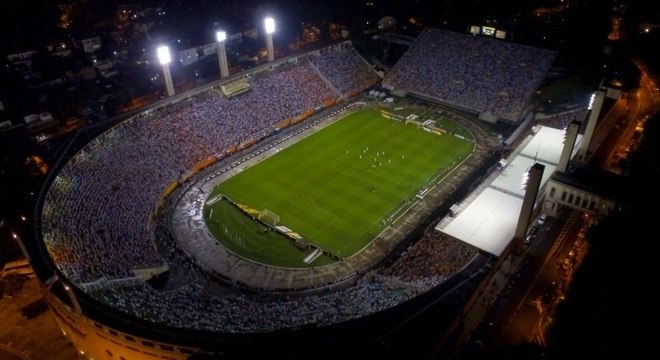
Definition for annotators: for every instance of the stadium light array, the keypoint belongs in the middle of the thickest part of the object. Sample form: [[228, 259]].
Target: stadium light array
[[592, 98], [270, 25], [164, 56], [221, 35]]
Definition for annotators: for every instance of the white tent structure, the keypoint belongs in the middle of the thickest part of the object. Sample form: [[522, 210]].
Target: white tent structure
[[487, 219]]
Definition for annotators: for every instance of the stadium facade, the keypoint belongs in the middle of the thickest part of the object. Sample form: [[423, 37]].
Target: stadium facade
[[100, 251]]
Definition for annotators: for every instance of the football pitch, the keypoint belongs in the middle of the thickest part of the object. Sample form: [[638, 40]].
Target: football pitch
[[337, 188]]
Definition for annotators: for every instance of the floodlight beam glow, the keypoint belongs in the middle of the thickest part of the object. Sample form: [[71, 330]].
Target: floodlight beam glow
[[164, 56], [221, 35], [270, 25], [591, 101], [524, 180]]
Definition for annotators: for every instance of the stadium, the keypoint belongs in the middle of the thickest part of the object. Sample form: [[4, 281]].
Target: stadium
[[294, 207]]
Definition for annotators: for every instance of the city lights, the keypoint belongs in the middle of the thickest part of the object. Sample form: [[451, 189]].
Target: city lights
[[221, 35], [270, 25]]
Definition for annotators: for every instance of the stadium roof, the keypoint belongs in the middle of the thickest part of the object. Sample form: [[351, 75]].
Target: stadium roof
[[488, 219]]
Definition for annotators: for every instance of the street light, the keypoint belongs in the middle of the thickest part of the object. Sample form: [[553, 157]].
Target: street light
[[221, 37], [165, 58], [73, 298], [21, 245], [269, 23]]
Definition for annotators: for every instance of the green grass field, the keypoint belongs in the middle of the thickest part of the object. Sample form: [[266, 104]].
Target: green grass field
[[337, 188]]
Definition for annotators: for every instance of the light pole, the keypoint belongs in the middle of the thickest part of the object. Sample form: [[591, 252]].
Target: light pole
[[73, 298], [269, 23], [165, 58], [569, 141], [530, 183], [22, 246], [221, 37], [584, 154]]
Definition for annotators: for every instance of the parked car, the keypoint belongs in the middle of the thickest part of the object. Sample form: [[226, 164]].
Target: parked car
[[541, 219], [531, 235]]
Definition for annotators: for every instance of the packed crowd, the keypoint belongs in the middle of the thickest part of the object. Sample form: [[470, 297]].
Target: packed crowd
[[95, 220], [428, 263], [482, 74], [344, 68], [212, 122], [97, 214]]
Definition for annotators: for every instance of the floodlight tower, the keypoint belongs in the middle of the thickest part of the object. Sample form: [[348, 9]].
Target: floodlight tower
[[165, 58], [530, 183], [569, 143], [269, 22], [584, 154], [221, 37], [21, 245]]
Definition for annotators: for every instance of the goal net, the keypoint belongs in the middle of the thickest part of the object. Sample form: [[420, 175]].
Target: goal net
[[269, 217]]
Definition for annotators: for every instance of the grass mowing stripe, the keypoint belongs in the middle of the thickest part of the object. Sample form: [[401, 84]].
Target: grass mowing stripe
[[239, 234]]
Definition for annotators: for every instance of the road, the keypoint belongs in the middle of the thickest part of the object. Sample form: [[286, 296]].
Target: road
[[616, 133], [36, 338], [524, 309]]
